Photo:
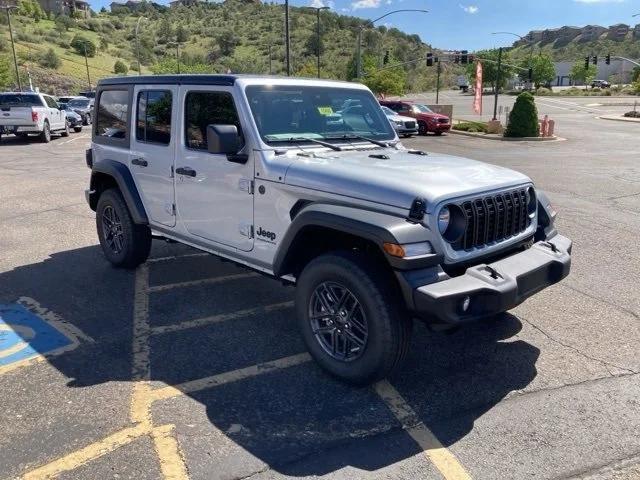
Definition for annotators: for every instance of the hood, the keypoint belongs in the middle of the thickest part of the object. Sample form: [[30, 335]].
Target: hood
[[401, 118], [400, 179], [434, 115]]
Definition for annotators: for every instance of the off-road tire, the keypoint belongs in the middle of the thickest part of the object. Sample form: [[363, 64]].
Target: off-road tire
[[65, 132], [389, 326], [136, 239], [422, 128], [45, 135]]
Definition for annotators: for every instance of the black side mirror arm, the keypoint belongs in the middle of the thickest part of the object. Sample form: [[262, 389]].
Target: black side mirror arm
[[241, 158]]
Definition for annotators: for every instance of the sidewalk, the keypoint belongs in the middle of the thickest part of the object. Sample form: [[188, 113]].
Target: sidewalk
[[619, 118]]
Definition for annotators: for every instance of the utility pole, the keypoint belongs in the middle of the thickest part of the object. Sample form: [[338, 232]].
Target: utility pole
[[270, 62], [178, 55], [86, 63], [438, 69], [287, 40], [317, 9], [495, 104], [7, 8]]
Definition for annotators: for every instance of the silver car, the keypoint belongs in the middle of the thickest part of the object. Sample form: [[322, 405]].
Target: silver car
[[405, 126]]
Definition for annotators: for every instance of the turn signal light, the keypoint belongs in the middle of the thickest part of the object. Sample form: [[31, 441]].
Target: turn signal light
[[34, 116], [394, 249], [408, 250]]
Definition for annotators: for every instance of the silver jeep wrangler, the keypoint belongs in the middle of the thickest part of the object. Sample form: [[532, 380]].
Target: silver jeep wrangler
[[306, 181]]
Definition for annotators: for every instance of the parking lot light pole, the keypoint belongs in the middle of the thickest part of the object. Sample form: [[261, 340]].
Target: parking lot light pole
[[524, 39], [7, 8], [287, 39], [369, 23], [317, 9], [495, 103], [138, 46]]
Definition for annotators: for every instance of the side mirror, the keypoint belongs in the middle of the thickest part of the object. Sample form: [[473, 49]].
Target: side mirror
[[223, 139]]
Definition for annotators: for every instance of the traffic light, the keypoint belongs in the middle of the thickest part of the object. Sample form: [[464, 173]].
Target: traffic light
[[530, 74], [464, 57], [586, 62], [429, 59], [607, 59], [385, 60], [595, 59]]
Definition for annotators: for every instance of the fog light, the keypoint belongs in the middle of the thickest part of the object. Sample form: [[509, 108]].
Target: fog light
[[466, 302]]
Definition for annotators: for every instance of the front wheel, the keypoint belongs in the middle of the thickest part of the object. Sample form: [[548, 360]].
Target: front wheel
[[350, 318], [65, 132], [438, 133], [77, 129], [422, 128], [124, 243]]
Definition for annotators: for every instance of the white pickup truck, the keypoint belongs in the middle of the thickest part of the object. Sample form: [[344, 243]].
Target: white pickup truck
[[25, 113]]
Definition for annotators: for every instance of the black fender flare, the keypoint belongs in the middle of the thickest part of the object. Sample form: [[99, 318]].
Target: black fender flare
[[123, 178], [376, 227]]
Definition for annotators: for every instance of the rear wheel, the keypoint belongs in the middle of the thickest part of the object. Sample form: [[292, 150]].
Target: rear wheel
[[351, 321], [124, 243], [45, 135], [422, 128]]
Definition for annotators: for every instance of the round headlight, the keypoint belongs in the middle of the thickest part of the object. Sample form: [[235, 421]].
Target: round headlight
[[444, 217]]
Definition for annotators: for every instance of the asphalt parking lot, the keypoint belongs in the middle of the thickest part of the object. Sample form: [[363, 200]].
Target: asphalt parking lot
[[190, 367]]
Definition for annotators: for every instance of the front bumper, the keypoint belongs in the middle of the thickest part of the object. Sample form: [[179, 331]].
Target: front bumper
[[440, 127], [496, 287]]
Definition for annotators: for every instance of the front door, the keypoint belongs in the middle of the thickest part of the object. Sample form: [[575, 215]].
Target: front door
[[153, 148], [213, 195], [57, 119]]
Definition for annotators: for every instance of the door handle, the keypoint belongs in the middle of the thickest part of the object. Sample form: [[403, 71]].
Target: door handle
[[188, 171], [140, 162]]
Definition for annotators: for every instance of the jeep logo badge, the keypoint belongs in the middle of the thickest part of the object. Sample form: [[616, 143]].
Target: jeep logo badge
[[266, 234]]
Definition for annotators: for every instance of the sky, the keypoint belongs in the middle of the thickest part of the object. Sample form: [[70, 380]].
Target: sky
[[467, 24]]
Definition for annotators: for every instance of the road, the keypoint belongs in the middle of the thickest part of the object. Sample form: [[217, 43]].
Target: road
[[193, 367]]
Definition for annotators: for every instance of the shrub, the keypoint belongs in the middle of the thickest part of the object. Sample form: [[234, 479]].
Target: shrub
[[475, 127], [50, 60], [64, 23], [81, 45], [632, 114], [120, 68], [523, 119], [543, 92]]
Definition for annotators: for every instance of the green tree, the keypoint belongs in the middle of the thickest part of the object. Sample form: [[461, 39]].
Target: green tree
[[391, 81], [120, 68], [228, 41], [6, 72], [64, 23], [50, 60], [181, 34], [635, 74], [580, 74], [523, 119], [489, 60], [82, 44], [543, 69]]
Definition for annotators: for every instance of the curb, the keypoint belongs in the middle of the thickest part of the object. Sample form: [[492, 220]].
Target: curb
[[619, 119], [498, 138]]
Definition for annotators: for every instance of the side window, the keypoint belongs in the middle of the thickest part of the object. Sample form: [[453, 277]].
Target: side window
[[50, 102], [153, 122], [111, 118], [206, 108]]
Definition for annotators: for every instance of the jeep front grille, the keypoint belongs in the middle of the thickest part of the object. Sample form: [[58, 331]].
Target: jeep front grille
[[494, 218]]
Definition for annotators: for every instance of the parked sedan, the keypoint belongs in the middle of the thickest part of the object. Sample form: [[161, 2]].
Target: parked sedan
[[405, 126], [600, 84], [73, 119], [82, 106], [428, 120]]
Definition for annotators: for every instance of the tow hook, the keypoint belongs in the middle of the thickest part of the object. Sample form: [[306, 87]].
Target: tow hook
[[492, 272], [550, 246]]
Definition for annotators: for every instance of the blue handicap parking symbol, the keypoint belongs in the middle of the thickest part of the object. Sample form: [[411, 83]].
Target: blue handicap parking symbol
[[24, 335]]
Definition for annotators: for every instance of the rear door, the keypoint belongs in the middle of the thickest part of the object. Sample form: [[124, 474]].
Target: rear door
[[153, 149]]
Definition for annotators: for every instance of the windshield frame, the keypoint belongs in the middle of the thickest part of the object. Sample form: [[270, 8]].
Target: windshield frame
[[339, 137]]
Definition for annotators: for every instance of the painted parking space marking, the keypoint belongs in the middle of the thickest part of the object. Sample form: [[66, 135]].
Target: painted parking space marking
[[204, 281], [29, 333], [223, 317], [445, 461]]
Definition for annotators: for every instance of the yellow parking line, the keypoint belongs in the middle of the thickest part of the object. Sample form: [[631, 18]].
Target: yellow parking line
[[204, 281], [175, 257], [90, 452], [445, 461], [172, 463], [228, 377], [223, 317]]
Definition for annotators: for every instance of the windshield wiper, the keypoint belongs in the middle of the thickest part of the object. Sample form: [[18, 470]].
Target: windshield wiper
[[360, 137], [313, 140]]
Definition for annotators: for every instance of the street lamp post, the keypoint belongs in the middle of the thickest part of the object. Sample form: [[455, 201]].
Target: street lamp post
[[13, 47], [317, 9], [524, 39], [495, 103], [287, 39], [370, 23], [138, 46]]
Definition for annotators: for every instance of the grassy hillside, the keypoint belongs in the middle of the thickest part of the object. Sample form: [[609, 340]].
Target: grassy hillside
[[234, 35]]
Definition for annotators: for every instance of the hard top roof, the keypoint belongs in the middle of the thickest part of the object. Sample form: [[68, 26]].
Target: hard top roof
[[205, 79]]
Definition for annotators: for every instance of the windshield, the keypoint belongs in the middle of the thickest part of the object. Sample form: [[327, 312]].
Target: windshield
[[388, 111], [20, 100], [295, 112], [422, 108], [79, 103]]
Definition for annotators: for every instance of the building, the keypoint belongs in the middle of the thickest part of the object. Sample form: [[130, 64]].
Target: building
[[618, 32], [618, 71], [66, 7]]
